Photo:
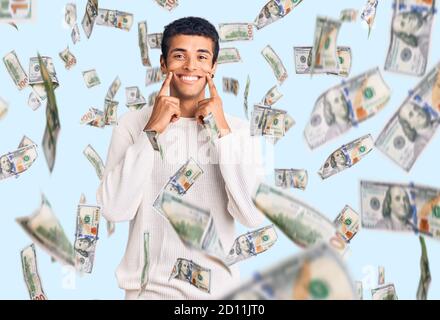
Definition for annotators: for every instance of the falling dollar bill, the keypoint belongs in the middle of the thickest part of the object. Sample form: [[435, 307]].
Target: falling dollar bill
[[273, 11], [110, 112], [251, 244], [68, 58], [324, 52], [167, 4], [34, 101], [425, 273], [143, 43], [154, 40], [347, 223], [228, 55], [194, 225], [95, 160], [211, 127], [346, 156], [154, 75], [369, 13], [384, 292], [89, 18], [86, 237], [52, 129], [300, 223], [135, 99], [398, 207], [412, 127], [13, 11], [348, 15], [230, 85], [94, 117], [235, 31], [359, 290], [115, 19], [191, 272], [16, 162], [291, 178], [30, 273], [70, 14], [272, 96], [91, 78], [46, 231], [75, 35], [315, 274], [15, 70], [4, 107], [266, 121], [303, 61], [246, 96], [381, 275], [275, 63], [113, 89], [35, 76], [345, 106], [410, 37]]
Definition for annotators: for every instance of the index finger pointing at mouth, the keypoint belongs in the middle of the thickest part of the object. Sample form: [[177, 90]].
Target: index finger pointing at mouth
[[211, 85], [166, 85]]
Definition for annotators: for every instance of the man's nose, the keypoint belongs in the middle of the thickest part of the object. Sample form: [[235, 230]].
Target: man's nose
[[190, 64]]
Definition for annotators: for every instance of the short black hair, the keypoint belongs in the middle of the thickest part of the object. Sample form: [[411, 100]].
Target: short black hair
[[190, 26]]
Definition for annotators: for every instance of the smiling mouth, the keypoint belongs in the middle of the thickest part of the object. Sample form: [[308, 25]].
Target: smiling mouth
[[190, 79]]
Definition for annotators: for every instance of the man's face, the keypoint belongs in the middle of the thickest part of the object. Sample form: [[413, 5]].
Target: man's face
[[190, 59], [415, 116], [5, 164], [399, 202], [406, 23], [339, 157], [273, 9], [243, 244], [184, 268], [111, 16], [338, 107]]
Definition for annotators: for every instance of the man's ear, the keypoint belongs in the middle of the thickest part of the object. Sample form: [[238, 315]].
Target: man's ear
[[214, 68], [163, 65]]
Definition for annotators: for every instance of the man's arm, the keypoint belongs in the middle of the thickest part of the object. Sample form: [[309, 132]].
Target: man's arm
[[126, 175]]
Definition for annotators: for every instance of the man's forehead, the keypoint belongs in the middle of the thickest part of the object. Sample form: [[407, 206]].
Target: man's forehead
[[191, 43]]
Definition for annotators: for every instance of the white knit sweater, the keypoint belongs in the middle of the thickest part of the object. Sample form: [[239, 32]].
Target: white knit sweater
[[133, 177]]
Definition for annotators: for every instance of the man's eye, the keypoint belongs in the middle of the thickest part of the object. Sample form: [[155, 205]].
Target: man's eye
[[202, 57], [178, 56]]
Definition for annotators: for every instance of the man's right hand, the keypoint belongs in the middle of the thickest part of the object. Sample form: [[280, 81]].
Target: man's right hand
[[166, 109]]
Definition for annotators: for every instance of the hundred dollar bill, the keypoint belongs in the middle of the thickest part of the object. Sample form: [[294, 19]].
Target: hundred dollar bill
[[315, 274], [16, 162], [300, 223], [17, 11], [35, 78], [93, 117], [154, 75], [289, 122], [70, 14], [211, 126], [303, 61], [154, 40], [4, 107], [30, 273], [135, 99], [191, 272], [273, 11], [143, 43], [194, 225], [348, 15], [95, 160], [324, 52], [246, 95], [275, 63], [115, 19], [381, 275], [15, 70], [91, 78], [75, 35], [359, 290], [34, 101], [425, 273], [369, 13], [86, 237], [344, 106], [68, 58], [89, 18], [230, 85], [346, 156], [398, 207], [180, 182], [110, 112], [146, 266], [228, 55], [168, 4], [410, 36], [152, 98], [271, 96], [347, 223], [384, 292], [251, 244], [291, 178], [412, 127], [113, 89], [53, 126], [235, 31], [46, 231], [269, 122]]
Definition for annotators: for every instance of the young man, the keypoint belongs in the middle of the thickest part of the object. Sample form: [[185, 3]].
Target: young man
[[135, 172]]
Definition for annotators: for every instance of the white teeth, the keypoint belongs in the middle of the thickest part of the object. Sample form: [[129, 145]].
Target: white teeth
[[189, 78]]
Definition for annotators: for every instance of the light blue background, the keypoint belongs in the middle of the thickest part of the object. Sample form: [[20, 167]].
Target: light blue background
[[115, 52]]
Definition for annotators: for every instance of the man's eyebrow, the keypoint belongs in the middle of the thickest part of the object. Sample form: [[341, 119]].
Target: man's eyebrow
[[204, 51], [184, 50]]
